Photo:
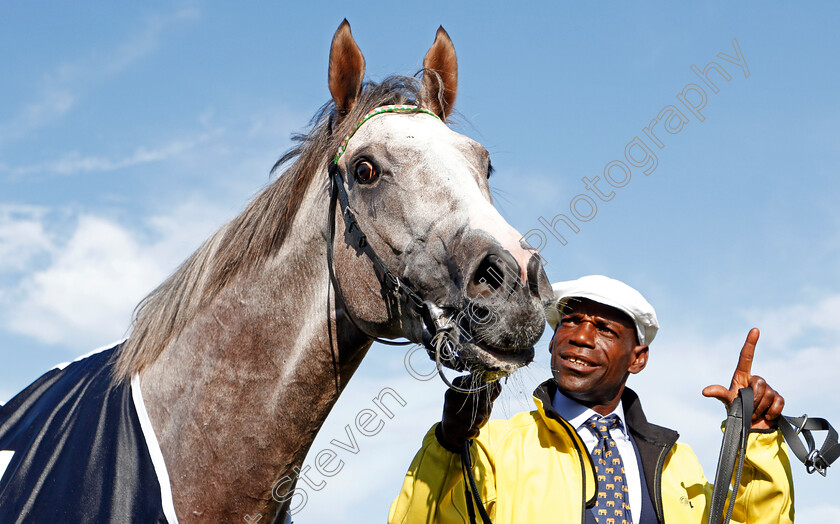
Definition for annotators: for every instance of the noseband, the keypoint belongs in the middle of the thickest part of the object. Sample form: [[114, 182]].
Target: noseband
[[438, 336]]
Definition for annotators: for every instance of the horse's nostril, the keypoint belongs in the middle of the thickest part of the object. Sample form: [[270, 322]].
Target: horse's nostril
[[488, 277], [537, 278]]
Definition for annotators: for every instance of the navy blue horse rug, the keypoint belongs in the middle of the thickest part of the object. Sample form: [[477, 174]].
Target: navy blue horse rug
[[75, 447]]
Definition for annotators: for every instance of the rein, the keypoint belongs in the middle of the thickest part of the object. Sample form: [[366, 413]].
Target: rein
[[734, 448]]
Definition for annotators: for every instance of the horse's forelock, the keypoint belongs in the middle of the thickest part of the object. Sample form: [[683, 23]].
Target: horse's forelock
[[255, 234]]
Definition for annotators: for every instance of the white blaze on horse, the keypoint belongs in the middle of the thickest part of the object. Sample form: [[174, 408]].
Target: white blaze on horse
[[243, 351]]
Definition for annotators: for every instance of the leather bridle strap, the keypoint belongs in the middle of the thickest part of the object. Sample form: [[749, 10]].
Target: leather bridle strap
[[440, 332], [734, 447], [390, 282]]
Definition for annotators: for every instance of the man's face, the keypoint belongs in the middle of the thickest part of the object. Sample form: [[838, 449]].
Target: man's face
[[593, 351]]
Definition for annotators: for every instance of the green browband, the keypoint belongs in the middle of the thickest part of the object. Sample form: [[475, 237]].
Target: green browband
[[379, 110]]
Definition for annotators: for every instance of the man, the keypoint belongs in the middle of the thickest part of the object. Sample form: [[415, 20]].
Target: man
[[588, 454]]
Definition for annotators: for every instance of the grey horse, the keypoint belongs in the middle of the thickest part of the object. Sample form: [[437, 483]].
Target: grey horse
[[242, 352]]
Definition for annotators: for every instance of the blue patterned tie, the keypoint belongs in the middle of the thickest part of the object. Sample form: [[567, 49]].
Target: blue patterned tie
[[613, 503]]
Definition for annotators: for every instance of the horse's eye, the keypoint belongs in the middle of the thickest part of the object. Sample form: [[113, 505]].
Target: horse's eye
[[365, 171]]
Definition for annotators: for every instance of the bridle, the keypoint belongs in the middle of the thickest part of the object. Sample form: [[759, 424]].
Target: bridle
[[440, 334]]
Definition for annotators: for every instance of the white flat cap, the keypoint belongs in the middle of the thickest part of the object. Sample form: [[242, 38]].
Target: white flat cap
[[610, 292]]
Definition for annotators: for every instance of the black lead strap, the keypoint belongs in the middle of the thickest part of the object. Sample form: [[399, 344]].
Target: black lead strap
[[467, 493], [734, 447], [471, 489], [387, 279]]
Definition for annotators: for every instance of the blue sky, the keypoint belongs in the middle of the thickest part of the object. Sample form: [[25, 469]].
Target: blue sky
[[128, 133]]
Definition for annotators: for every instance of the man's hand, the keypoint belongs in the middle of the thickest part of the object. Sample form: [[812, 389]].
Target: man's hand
[[464, 414], [768, 403]]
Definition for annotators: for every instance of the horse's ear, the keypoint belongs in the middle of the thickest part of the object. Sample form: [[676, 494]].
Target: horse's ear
[[440, 75], [347, 70]]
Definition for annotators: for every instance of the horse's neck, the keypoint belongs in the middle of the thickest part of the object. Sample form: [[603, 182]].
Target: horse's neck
[[238, 398]]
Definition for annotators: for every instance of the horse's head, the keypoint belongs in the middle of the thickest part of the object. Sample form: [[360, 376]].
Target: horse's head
[[420, 194]]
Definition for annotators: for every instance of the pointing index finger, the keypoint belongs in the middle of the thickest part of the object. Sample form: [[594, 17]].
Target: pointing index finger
[[745, 359]]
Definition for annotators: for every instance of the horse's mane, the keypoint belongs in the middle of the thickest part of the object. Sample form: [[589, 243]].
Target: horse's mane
[[252, 237]]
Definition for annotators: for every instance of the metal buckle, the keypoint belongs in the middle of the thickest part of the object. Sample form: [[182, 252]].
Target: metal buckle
[[395, 281], [351, 223], [802, 426], [812, 464]]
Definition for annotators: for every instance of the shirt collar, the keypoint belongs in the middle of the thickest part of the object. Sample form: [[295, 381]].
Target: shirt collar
[[577, 414]]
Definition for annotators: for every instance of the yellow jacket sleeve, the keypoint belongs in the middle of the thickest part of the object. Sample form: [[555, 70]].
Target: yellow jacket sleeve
[[765, 494]]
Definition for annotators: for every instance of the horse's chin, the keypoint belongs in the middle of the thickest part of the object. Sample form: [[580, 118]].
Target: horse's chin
[[493, 363], [499, 348]]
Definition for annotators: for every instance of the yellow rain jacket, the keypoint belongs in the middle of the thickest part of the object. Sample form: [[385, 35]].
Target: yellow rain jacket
[[534, 468]]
